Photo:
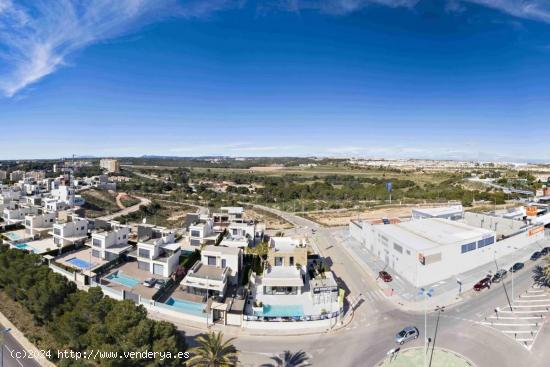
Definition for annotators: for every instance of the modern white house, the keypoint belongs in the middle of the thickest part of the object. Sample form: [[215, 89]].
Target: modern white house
[[243, 234], [202, 232], [108, 244], [427, 251], [39, 224], [226, 216], [18, 212], [157, 252], [218, 267], [453, 212], [286, 266], [69, 230]]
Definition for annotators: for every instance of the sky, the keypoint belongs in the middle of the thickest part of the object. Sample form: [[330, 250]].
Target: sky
[[445, 79]]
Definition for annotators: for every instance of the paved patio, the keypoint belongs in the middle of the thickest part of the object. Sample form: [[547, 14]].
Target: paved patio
[[130, 269], [84, 255]]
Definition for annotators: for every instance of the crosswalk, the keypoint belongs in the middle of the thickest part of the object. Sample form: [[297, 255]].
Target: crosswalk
[[524, 321], [374, 296]]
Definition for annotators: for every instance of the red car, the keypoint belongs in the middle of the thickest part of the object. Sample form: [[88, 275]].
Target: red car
[[385, 276], [483, 283]]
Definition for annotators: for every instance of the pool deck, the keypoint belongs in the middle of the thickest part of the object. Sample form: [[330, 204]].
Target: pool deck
[[43, 245], [131, 270], [17, 236], [84, 254]]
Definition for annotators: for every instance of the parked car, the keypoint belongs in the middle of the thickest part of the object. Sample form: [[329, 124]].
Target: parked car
[[385, 276], [408, 333], [545, 251], [160, 283], [536, 255], [499, 275], [516, 267], [483, 283], [149, 282]]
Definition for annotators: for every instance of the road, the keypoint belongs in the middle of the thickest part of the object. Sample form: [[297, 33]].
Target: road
[[468, 328], [14, 353], [128, 210]]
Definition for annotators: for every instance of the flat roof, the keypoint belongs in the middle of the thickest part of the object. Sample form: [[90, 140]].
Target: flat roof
[[442, 210], [221, 249], [286, 244], [433, 232], [282, 276]]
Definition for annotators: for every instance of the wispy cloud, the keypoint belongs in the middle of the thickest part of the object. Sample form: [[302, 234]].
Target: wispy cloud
[[36, 37], [538, 10]]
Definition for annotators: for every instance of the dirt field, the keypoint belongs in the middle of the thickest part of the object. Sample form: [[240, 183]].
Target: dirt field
[[271, 221], [343, 217]]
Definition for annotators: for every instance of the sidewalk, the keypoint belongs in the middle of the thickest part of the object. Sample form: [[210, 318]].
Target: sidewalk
[[447, 292]]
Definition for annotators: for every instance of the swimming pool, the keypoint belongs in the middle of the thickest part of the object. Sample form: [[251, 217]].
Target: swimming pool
[[123, 280], [79, 263], [281, 311], [192, 308], [24, 246]]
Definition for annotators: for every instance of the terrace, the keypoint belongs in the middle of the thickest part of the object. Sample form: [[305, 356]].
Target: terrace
[[80, 260], [128, 277]]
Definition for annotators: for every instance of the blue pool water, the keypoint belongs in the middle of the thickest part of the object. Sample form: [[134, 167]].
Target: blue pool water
[[79, 263], [281, 311], [24, 246], [192, 308], [123, 280]]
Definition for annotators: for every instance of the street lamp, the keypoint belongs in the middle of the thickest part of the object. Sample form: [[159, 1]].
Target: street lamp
[[429, 293], [2, 332], [439, 310], [512, 270]]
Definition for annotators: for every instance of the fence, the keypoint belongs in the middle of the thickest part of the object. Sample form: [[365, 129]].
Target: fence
[[67, 274]]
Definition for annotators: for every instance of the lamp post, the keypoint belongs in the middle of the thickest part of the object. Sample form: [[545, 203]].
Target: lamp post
[[2, 332], [512, 270], [429, 293], [439, 310]]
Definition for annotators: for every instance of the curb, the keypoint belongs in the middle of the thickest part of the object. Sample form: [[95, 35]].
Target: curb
[[25, 343]]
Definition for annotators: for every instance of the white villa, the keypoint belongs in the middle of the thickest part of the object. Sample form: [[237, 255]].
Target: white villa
[[39, 224], [202, 232], [108, 244], [157, 252], [219, 267], [69, 230]]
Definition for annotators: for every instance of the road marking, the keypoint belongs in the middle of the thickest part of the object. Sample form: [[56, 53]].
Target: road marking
[[514, 318], [502, 324], [532, 300], [11, 354], [534, 295], [518, 332], [535, 291], [526, 306], [538, 311]]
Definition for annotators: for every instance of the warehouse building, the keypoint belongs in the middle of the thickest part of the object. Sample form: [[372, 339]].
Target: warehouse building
[[427, 251], [454, 212]]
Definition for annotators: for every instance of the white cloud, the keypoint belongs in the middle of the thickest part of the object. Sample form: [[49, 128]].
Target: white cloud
[[36, 38], [538, 10]]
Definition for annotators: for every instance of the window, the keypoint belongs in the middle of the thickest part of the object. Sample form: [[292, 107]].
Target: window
[[468, 247], [224, 263], [278, 261], [234, 231], [195, 233], [485, 242], [142, 265], [57, 231], [291, 260], [158, 269], [124, 237], [144, 253], [96, 242], [408, 252], [211, 260], [397, 248], [95, 253]]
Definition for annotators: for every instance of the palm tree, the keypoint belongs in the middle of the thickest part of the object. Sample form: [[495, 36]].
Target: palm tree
[[213, 351], [289, 359]]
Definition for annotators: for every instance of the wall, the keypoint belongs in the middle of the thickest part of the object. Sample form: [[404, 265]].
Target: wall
[[502, 226]]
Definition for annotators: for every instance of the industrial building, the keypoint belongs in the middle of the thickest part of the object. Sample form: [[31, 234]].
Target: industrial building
[[427, 251], [453, 212]]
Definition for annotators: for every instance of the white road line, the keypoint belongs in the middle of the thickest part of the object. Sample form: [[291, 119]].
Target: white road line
[[11, 353], [534, 295], [515, 318], [532, 306], [535, 312], [502, 324], [532, 300], [536, 291], [517, 331]]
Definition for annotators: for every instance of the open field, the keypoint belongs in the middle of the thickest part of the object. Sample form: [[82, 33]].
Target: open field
[[270, 220], [99, 202]]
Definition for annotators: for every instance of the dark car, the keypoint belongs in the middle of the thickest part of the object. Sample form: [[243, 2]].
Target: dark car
[[385, 276], [516, 267], [545, 251], [408, 333], [536, 255], [483, 283], [499, 275]]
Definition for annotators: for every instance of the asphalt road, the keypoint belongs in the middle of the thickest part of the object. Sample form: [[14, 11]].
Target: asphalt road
[[371, 334], [14, 354]]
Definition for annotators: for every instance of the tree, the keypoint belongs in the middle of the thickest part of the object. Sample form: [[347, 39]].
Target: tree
[[541, 274], [213, 351], [289, 359]]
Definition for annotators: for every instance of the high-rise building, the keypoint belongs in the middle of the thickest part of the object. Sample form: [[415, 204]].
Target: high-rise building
[[111, 165]]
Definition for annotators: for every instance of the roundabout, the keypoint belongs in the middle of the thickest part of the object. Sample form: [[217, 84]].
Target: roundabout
[[414, 357]]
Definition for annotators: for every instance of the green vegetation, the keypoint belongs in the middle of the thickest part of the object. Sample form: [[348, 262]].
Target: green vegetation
[[99, 202], [289, 359], [65, 318], [128, 201], [188, 261], [213, 351]]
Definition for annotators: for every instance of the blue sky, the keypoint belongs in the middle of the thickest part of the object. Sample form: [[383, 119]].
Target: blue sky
[[375, 78]]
